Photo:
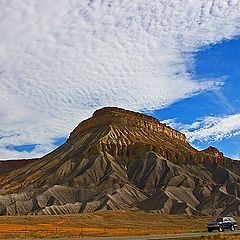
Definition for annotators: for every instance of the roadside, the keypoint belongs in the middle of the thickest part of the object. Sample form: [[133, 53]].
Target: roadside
[[100, 224]]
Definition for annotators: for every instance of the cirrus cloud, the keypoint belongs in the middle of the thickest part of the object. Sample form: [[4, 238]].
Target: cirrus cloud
[[59, 61], [213, 128], [209, 129]]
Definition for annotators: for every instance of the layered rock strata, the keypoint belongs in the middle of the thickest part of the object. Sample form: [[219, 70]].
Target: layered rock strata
[[119, 159]]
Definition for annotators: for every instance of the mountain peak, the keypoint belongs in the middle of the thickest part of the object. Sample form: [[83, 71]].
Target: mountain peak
[[213, 151], [119, 116], [123, 112], [119, 159]]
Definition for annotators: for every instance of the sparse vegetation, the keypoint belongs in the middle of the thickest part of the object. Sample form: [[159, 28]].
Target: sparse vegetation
[[107, 223]]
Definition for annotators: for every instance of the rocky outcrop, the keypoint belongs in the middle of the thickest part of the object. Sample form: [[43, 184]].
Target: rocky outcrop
[[190, 189], [112, 115], [118, 159], [11, 165], [213, 151]]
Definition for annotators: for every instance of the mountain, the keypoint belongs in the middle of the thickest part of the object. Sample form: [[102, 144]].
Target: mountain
[[8, 166], [119, 159]]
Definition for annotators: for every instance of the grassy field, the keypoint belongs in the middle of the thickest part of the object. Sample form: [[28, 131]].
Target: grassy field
[[107, 223]]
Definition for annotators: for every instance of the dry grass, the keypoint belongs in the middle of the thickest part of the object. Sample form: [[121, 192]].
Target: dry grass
[[107, 223]]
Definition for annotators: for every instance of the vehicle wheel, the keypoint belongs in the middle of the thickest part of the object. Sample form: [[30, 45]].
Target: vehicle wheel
[[220, 229], [232, 228], [210, 230]]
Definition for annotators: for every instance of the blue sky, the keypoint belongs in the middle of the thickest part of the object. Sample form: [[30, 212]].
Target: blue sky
[[217, 61], [60, 62]]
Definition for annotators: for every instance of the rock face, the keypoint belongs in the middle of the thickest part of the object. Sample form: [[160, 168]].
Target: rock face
[[8, 166], [123, 117], [119, 159], [213, 151]]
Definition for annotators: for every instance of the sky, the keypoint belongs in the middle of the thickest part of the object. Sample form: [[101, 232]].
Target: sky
[[61, 60], [211, 117]]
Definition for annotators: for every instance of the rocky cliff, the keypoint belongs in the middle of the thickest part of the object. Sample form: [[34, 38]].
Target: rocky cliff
[[213, 151], [11, 165], [122, 117], [119, 159]]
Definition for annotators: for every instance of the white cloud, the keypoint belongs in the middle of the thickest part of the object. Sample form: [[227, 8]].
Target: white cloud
[[60, 60], [37, 152], [215, 128], [209, 129]]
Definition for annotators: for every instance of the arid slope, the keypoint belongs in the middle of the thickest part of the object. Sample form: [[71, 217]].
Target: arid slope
[[119, 159]]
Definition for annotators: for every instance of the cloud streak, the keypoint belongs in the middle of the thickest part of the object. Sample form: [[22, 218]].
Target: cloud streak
[[213, 128], [209, 129], [59, 62]]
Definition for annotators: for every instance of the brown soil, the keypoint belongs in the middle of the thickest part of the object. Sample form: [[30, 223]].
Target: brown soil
[[107, 223]]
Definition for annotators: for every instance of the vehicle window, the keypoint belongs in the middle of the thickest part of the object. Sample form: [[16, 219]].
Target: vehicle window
[[219, 220]]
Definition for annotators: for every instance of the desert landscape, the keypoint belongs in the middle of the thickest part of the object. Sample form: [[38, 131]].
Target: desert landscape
[[106, 223], [119, 173], [119, 119], [119, 159]]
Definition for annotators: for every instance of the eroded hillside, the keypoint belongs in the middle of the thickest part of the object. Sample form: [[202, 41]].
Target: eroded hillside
[[120, 159]]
